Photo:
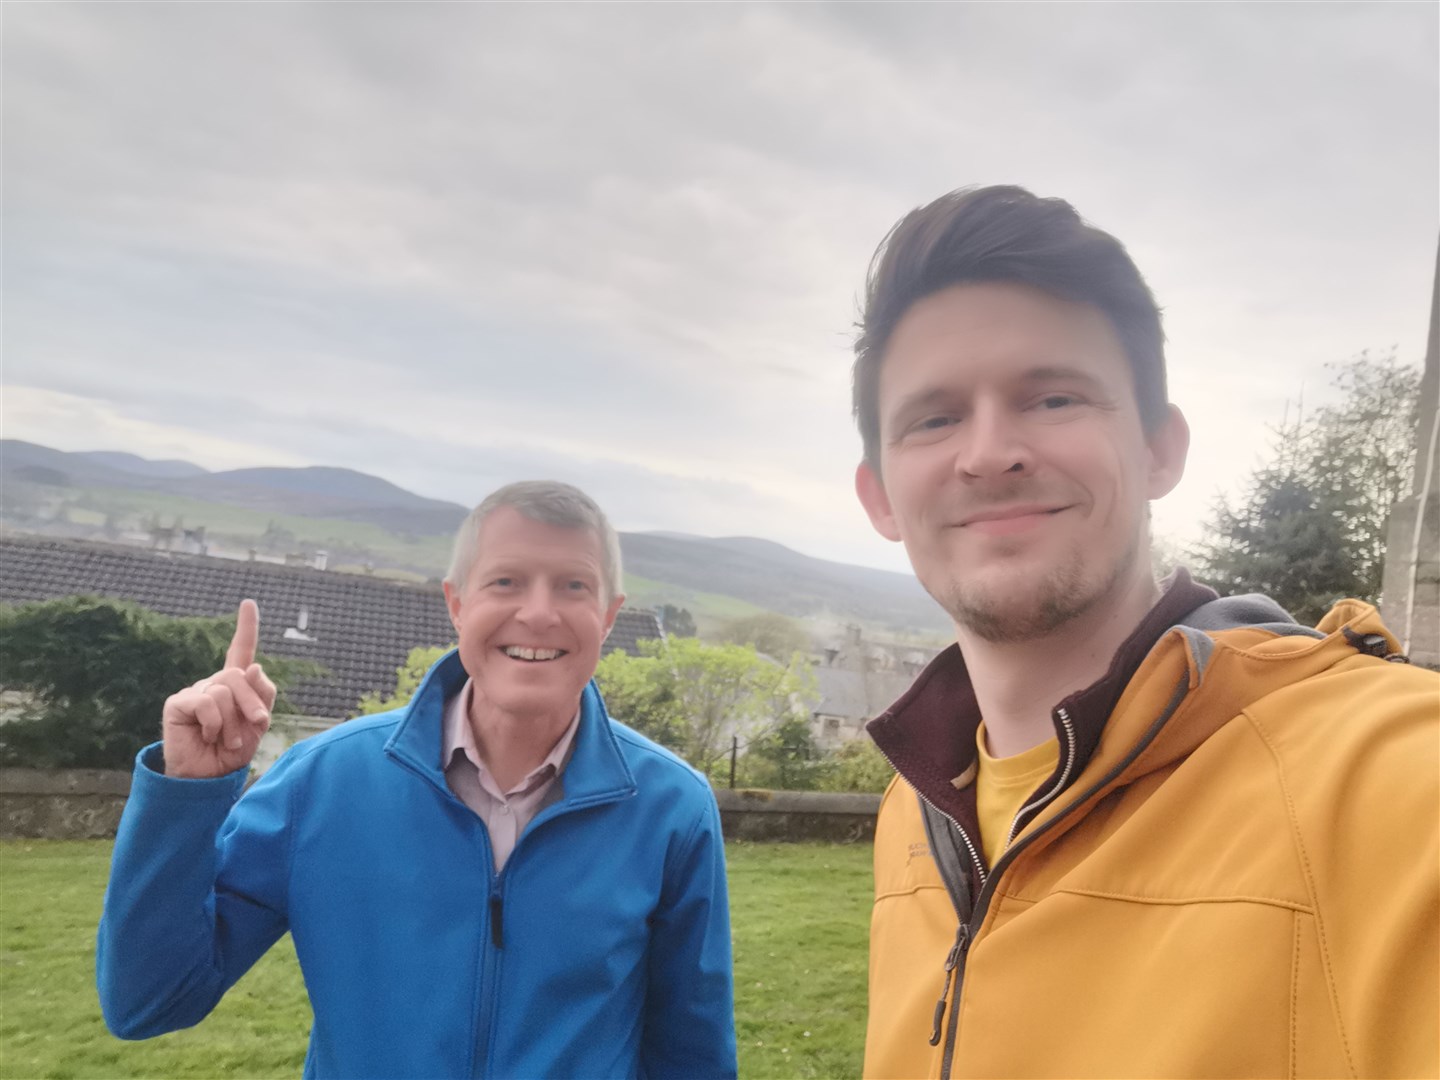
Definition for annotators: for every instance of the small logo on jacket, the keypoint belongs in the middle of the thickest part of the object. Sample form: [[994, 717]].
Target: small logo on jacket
[[918, 851]]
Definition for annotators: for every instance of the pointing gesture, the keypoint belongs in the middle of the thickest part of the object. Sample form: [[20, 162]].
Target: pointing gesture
[[214, 727], [241, 653]]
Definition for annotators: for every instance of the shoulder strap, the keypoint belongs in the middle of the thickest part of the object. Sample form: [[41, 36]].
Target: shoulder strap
[[949, 857]]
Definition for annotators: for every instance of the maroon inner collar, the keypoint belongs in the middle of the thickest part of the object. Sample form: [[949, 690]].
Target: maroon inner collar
[[929, 733]]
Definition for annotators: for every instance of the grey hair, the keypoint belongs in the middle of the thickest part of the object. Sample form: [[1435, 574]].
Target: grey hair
[[548, 501]]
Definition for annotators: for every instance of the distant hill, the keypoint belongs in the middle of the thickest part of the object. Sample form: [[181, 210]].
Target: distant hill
[[118, 459], [30, 461], [320, 492], [327, 492], [773, 576], [759, 572], [331, 483]]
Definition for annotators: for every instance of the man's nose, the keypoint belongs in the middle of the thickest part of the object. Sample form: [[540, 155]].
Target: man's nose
[[994, 444], [537, 608]]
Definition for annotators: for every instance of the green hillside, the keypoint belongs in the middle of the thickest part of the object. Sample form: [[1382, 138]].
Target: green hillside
[[709, 609]]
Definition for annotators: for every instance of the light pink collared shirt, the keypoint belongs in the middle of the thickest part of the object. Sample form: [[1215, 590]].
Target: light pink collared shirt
[[505, 814]]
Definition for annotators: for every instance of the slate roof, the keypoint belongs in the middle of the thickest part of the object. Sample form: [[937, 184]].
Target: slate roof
[[362, 627], [631, 625]]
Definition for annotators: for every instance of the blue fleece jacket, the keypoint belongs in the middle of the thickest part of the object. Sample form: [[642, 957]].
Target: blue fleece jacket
[[601, 950]]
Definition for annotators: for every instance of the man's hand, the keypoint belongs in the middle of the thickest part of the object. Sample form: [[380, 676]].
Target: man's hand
[[214, 727]]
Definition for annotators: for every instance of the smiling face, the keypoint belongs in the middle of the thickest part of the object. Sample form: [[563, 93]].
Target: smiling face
[[532, 614], [1013, 463]]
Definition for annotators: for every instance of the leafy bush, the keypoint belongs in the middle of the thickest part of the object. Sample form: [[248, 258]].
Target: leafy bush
[[785, 759], [693, 697], [94, 674], [858, 765], [407, 680]]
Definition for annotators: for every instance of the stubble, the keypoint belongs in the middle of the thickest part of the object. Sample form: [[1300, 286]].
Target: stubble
[[1028, 612]]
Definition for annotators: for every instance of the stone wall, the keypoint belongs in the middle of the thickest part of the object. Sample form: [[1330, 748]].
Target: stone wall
[[76, 804], [797, 815], [61, 804]]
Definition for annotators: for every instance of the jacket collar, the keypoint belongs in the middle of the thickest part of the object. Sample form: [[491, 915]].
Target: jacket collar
[[596, 773], [929, 733], [1219, 661]]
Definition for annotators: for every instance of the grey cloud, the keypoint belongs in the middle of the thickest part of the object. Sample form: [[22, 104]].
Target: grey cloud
[[643, 227]]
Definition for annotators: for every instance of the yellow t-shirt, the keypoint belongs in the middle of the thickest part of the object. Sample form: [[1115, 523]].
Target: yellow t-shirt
[[1003, 784]]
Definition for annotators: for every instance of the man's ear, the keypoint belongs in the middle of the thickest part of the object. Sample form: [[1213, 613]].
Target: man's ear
[[452, 601], [1168, 444], [871, 491], [610, 613]]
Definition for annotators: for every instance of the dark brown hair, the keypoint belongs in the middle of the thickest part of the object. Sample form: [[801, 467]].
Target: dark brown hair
[[1006, 234]]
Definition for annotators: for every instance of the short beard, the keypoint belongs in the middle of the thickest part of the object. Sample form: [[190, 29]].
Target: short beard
[[1060, 597]]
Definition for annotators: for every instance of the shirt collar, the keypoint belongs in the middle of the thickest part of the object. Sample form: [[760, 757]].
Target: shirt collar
[[460, 736]]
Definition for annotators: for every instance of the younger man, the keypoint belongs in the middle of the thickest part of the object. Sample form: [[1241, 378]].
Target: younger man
[[1138, 830]]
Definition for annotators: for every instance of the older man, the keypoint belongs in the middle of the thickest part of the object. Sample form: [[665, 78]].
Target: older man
[[495, 880]]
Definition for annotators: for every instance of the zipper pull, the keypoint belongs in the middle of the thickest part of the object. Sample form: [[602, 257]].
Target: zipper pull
[[962, 939], [497, 922]]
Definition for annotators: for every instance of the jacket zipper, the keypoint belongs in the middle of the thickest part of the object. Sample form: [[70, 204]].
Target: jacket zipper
[[962, 939], [491, 953], [955, 959], [987, 892], [1068, 726], [955, 962], [497, 920], [490, 975]]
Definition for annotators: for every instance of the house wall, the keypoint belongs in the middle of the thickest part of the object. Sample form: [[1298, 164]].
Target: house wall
[[285, 731], [832, 732], [1411, 589]]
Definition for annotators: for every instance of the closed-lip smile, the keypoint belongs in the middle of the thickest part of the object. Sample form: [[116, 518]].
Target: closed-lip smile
[[1007, 513]]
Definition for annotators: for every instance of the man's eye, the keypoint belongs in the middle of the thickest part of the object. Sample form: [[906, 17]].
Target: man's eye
[[578, 586], [934, 423], [503, 582]]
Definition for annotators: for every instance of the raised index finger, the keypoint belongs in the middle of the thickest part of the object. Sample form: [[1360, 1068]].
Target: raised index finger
[[241, 653]]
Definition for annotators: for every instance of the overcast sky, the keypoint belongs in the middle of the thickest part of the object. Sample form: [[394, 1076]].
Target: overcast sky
[[460, 244]]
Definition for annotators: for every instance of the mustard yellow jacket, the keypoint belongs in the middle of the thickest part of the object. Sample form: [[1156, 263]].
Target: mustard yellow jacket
[[1242, 880]]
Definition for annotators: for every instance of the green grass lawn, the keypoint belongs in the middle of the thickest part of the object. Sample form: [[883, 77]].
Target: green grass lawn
[[799, 912]]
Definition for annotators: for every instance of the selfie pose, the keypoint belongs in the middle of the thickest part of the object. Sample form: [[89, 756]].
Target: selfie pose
[[1138, 830]]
